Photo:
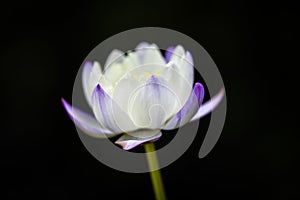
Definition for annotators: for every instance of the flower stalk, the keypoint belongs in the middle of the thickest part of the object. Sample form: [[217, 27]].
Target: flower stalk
[[156, 179]]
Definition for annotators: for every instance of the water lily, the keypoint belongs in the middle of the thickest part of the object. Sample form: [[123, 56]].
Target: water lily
[[139, 94]]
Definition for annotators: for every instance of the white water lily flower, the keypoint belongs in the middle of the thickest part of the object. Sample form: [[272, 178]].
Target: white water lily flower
[[139, 94]]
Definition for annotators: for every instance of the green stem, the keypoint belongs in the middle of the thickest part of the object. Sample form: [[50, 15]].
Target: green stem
[[156, 179]]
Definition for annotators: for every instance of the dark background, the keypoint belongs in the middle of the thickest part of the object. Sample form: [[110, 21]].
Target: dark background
[[253, 44]]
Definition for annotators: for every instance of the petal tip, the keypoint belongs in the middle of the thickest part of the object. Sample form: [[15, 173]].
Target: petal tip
[[65, 103], [123, 145], [98, 91], [199, 92], [98, 87], [88, 64], [199, 86], [168, 53]]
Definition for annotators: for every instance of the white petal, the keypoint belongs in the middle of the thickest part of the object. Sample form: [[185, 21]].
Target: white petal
[[118, 69], [142, 45], [128, 142], [184, 63], [91, 74], [115, 56], [106, 85], [138, 77], [152, 103], [124, 89], [209, 106], [149, 54], [131, 61], [109, 114], [181, 87], [114, 72]]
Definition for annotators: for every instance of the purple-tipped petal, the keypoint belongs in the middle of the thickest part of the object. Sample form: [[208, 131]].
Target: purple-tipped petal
[[128, 142], [152, 103], [169, 53], [86, 122], [209, 106], [91, 74], [188, 110], [109, 114]]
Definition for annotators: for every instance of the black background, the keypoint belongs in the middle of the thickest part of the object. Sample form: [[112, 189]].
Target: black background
[[253, 44]]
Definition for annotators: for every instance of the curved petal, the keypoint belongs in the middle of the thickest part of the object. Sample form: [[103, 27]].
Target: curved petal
[[169, 53], [185, 64], [116, 69], [109, 114], [91, 74], [177, 82], [139, 51], [149, 54], [128, 142], [106, 85], [209, 106], [115, 56], [188, 110], [114, 72], [124, 89], [152, 103], [86, 122], [130, 61]]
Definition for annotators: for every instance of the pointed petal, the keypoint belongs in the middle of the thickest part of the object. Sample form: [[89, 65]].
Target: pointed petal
[[185, 64], [109, 114], [188, 110], [86, 122], [115, 56], [114, 72], [209, 106], [149, 54], [177, 82], [121, 66], [91, 74], [152, 103], [128, 141], [106, 85], [130, 61], [142, 45], [169, 53], [188, 67]]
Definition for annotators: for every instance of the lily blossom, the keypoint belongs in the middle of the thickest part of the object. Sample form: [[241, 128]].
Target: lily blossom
[[140, 93]]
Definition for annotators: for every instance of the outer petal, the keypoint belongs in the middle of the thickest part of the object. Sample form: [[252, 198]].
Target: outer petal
[[91, 74], [152, 103], [169, 53], [188, 110], [109, 114], [209, 106], [86, 122], [128, 141]]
